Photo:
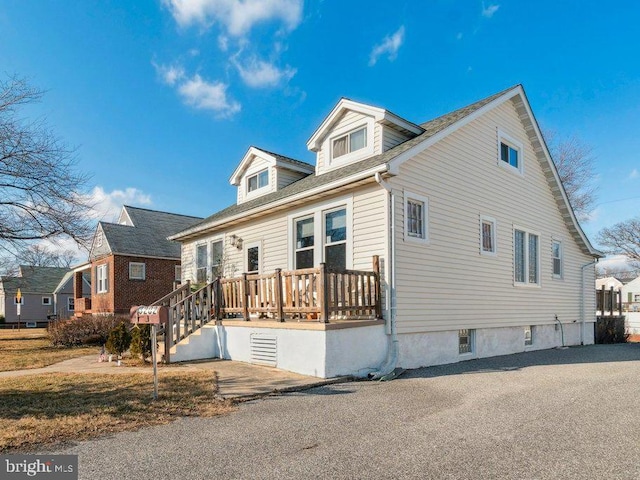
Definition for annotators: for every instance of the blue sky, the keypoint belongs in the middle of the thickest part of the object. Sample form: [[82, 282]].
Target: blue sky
[[162, 98]]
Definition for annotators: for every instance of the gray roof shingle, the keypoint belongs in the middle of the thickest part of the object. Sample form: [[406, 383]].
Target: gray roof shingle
[[431, 128], [34, 279], [148, 236]]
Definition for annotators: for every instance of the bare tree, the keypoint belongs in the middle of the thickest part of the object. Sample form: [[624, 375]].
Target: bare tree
[[40, 188], [622, 239], [41, 256], [574, 162]]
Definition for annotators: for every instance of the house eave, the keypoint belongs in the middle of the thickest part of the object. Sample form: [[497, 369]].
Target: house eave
[[365, 176]]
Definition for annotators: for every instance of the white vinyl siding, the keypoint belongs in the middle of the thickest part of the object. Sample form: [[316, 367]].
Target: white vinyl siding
[[366, 227], [257, 165], [287, 177], [391, 137], [450, 286]]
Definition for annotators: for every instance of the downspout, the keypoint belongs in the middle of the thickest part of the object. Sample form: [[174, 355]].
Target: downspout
[[582, 310], [392, 352]]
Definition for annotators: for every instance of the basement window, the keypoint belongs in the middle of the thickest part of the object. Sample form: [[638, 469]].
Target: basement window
[[528, 335], [466, 339]]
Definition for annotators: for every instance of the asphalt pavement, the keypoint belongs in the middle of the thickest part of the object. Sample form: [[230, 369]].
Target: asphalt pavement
[[554, 414]]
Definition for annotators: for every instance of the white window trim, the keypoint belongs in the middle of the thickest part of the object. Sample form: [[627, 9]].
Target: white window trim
[[210, 264], [144, 271], [100, 268], [512, 142], [365, 152], [317, 213], [99, 238], [47, 302], [21, 300], [556, 276], [177, 269], [260, 190], [528, 232], [247, 246], [425, 221], [69, 300], [195, 260], [494, 235]]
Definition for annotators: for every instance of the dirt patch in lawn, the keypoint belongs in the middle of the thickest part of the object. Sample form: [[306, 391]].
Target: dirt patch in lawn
[[46, 410]]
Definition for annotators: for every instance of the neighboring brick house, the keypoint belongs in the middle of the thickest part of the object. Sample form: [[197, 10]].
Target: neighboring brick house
[[131, 261], [47, 292]]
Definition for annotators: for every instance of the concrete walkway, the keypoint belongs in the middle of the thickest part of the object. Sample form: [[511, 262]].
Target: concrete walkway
[[236, 380]]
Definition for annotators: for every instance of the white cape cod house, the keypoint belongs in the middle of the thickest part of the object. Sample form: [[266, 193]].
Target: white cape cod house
[[405, 245]]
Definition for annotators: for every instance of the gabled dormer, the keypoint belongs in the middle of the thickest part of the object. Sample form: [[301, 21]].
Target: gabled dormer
[[354, 131], [261, 172]]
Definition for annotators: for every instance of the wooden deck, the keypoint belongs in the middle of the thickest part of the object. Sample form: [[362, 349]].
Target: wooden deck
[[308, 295]]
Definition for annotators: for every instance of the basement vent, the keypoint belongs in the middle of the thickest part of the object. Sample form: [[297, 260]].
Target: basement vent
[[264, 349]]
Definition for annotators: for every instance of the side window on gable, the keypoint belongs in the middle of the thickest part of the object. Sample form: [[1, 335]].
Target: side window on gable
[[350, 142], [510, 153]]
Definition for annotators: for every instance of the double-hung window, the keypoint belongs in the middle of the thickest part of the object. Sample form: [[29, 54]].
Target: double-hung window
[[305, 243], [217, 264], [349, 143], [487, 236], [556, 255], [253, 258], [335, 246], [526, 258], [258, 180], [46, 300], [102, 279], [201, 263], [416, 218]]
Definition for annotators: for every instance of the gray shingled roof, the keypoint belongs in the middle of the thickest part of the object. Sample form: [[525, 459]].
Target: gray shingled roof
[[148, 236], [431, 128], [34, 279], [287, 159]]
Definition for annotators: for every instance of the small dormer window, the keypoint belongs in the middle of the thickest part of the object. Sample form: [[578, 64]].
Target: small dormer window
[[258, 180], [350, 142]]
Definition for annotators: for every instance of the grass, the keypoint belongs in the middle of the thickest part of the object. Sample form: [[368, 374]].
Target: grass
[[46, 410], [30, 348]]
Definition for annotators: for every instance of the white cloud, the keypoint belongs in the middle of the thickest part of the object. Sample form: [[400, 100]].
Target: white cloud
[[258, 73], [107, 205], [390, 46], [237, 17], [205, 95], [169, 74], [489, 11], [634, 174], [614, 263]]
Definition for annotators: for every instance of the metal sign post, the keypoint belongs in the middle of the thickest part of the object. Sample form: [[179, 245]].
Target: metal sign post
[[153, 316], [154, 356]]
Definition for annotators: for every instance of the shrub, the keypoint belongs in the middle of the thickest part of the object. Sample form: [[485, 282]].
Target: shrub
[[611, 330], [141, 341], [87, 330], [1, 318], [119, 339]]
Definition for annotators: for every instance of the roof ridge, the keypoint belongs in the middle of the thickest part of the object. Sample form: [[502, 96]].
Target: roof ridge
[[282, 156], [157, 211]]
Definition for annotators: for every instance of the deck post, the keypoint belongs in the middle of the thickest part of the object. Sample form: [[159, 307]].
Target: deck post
[[376, 270], [323, 294], [278, 294], [245, 296], [217, 298]]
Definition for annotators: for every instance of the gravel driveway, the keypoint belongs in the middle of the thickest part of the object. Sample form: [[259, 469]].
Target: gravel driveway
[[571, 413]]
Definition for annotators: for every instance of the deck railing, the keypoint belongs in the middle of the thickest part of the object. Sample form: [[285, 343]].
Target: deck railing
[[313, 294]]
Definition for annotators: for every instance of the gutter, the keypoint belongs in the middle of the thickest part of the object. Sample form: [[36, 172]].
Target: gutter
[[582, 298], [392, 352]]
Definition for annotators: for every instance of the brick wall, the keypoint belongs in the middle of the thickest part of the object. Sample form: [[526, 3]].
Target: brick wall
[[102, 302], [159, 277]]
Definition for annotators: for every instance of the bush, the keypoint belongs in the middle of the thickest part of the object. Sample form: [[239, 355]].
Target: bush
[[611, 330], [141, 341], [87, 330], [119, 339], [1, 318]]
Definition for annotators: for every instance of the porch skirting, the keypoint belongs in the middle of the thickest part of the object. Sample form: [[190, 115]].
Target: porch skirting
[[316, 349]]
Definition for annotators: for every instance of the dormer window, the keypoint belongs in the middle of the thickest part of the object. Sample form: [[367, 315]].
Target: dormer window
[[258, 180], [350, 142]]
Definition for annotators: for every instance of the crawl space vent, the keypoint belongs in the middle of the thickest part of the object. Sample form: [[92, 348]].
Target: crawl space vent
[[264, 349]]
